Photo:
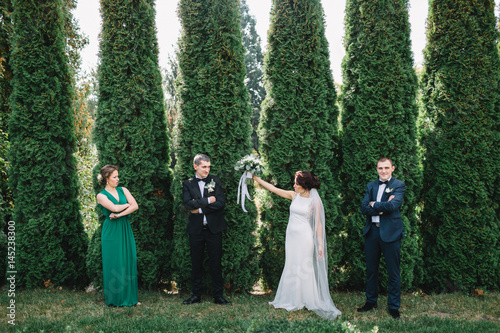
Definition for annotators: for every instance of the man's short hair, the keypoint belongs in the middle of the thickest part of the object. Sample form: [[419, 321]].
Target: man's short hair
[[200, 157], [383, 159]]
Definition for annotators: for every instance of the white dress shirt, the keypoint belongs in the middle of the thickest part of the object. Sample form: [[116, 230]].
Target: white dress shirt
[[381, 189], [201, 185]]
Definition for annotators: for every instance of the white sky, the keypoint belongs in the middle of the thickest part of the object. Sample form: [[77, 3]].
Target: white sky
[[168, 28]]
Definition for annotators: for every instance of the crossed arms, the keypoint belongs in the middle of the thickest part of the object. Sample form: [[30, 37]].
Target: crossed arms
[[208, 205], [370, 207]]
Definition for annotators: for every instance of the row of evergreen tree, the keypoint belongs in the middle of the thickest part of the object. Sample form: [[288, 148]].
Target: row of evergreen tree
[[446, 150]]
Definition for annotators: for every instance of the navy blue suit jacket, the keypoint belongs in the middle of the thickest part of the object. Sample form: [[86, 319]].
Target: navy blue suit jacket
[[391, 225]]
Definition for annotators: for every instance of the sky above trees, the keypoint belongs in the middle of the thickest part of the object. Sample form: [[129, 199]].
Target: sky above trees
[[168, 27]]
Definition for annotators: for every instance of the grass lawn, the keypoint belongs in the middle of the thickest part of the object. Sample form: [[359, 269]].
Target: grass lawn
[[60, 310]]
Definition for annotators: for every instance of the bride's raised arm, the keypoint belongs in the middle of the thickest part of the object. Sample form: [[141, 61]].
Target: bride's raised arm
[[274, 189]]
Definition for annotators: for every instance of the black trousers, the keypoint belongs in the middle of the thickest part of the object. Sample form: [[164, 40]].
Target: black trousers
[[374, 246], [197, 244]]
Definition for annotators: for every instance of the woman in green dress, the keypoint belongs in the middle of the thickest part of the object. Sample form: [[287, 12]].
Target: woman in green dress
[[119, 256]]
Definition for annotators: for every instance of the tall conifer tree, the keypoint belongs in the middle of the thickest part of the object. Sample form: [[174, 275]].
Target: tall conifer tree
[[5, 109], [5, 91], [254, 61], [130, 132], [214, 119], [379, 119], [298, 127], [461, 139], [74, 43], [51, 242]]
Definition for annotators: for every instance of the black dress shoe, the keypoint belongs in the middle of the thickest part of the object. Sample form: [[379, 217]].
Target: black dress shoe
[[394, 313], [191, 300], [367, 307], [221, 300]]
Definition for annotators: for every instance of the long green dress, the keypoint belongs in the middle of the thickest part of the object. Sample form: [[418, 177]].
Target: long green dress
[[119, 256]]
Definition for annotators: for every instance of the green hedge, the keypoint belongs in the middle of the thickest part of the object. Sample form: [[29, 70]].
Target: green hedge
[[130, 132], [298, 128], [461, 137], [50, 239], [6, 202], [214, 119], [379, 118]]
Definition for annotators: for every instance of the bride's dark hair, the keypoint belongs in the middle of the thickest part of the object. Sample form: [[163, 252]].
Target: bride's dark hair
[[307, 180]]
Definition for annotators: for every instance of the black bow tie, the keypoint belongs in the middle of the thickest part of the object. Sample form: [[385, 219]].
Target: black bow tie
[[201, 179], [383, 182]]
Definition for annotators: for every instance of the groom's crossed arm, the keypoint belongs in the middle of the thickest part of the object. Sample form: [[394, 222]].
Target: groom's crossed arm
[[220, 201], [393, 204], [366, 208], [370, 207], [189, 202]]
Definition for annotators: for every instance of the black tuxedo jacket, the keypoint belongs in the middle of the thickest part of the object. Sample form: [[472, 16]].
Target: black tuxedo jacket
[[391, 225], [191, 198]]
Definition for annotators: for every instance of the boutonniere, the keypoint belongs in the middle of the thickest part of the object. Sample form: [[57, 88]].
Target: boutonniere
[[389, 190], [210, 186]]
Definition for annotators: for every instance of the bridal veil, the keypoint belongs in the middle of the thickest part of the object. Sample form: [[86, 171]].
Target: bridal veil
[[325, 308]]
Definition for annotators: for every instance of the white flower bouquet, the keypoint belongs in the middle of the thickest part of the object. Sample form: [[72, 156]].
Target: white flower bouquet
[[248, 165]]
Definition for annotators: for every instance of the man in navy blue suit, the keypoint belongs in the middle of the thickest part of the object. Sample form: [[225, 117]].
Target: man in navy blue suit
[[383, 233]]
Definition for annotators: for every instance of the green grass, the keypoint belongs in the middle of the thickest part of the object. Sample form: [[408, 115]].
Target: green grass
[[54, 310]]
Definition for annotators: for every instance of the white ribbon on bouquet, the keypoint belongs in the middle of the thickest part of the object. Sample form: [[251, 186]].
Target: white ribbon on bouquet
[[243, 189]]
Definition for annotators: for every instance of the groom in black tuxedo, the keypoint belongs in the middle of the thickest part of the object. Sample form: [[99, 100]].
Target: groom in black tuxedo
[[383, 233], [203, 197]]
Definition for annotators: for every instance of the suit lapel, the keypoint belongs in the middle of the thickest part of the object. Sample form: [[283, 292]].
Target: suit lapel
[[386, 194], [196, 187], [374, 190], [205, 191]]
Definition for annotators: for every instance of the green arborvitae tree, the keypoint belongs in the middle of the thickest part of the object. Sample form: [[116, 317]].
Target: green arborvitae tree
[[379, 118], [6, 202], [214, 119], [3, 243], [254, 61], [461, 139], [130, 132], [5, 109], [298, 127], [74, 43], [51, 242]]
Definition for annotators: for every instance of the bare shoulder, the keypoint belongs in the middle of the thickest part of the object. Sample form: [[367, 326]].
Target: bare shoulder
[[289, 194], [125, 190]]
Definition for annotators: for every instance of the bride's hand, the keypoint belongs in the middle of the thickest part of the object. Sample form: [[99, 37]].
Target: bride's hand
[[320, 252]]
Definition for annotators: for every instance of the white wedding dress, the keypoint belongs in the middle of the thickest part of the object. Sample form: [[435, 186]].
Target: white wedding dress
[[304, 281]]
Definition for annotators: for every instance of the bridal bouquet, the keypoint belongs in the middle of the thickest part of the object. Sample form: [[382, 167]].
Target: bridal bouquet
[[249, 165]]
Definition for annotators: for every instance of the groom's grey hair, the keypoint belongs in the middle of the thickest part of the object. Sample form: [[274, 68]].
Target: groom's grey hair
[[200, 157]]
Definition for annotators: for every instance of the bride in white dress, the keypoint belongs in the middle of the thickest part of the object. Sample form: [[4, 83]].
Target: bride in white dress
[[304, 281]]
